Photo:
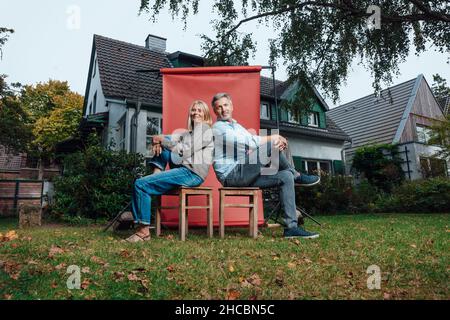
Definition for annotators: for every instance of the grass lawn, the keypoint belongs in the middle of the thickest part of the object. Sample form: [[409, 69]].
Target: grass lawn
[[412, 252]]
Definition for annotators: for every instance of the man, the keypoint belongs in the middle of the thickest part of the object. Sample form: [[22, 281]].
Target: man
[[238, 162]]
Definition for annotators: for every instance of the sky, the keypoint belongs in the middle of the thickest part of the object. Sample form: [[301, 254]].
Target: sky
[[53, 40]]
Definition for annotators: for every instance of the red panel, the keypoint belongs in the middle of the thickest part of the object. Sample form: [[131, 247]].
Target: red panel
[[183, 85]]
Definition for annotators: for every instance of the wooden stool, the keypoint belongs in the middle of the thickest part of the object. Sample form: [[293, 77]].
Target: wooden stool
[[252, 194], [183, 193]]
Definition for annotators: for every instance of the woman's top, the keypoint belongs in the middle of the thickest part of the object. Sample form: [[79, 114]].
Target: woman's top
[[195, 148]]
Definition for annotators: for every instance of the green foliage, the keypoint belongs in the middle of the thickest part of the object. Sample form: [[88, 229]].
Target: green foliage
[[440, 135], [338, 194], [380, 164], [321, 39], [430, 195], [96, 182], [440, 88], [15, 134], [4, 35]]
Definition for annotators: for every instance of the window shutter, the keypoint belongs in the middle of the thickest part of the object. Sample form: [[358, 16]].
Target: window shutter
[[299, 166], [338, 166]]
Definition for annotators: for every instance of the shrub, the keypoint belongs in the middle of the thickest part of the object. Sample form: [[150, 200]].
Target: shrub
[[96, 182], [431, 195], [380, 164]]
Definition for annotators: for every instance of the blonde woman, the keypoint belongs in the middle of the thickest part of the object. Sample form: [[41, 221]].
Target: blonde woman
[[189, 154]]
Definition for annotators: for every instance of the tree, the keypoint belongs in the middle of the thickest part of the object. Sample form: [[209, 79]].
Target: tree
[[380, 164], [440, 135], [440, 88], [318, 40], [4, 35], [54, 113], [15, 134]]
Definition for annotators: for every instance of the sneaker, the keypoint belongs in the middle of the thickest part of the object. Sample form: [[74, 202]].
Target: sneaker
[[299, 232], [305, 180]]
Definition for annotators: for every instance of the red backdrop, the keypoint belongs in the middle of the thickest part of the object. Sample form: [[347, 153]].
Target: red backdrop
[[181, 86]]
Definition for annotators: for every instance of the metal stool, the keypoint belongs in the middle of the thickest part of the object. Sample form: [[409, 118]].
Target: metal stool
[[252, 194], [183, 193]]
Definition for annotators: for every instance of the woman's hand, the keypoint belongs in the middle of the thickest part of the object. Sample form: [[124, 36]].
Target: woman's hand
[[157, 149], [279, 142]]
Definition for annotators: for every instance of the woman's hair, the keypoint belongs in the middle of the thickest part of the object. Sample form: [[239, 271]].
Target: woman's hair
[[206, 114]]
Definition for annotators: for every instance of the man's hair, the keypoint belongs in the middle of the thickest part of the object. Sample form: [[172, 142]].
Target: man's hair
[[218, 96]]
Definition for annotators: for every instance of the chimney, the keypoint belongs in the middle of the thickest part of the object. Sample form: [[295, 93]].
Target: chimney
[[155, 43]]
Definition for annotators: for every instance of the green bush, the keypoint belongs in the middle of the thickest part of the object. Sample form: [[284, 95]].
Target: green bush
[[97, 182], [431, 195]]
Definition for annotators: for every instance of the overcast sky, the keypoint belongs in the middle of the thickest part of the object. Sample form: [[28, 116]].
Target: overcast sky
[[49, 42]]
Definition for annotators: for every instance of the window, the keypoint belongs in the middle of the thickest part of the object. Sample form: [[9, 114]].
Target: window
[[433, 167], [154, 127], [94, 109], [292, 117], [313, 119], [423, 133], [265, 111], [316, 167], [122, 133]]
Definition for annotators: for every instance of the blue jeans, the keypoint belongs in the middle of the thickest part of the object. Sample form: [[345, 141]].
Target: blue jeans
[[158, 184], [249, 175]]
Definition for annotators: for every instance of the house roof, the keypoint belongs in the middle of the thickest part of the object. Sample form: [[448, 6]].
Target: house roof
[[118, 62], [373, 119], [332, 131], [444, 103]]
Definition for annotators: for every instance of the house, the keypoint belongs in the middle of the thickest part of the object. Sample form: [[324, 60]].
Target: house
[[401, 114], [115, 88]]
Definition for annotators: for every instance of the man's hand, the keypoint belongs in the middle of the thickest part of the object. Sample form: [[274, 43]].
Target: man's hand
[[279, 142]]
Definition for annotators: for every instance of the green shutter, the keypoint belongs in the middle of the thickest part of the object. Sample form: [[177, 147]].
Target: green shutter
[[322, 120], [273, 112], [304, 120], [338, 166], [284, 115], [299, 164]]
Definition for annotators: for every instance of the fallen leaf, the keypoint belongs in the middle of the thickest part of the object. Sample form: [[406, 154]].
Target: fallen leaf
[[97, 260], [85, 284], [54, 250], [132, 277], [291, 296], [144, 284], [413, 246], [291, 265], [170, 268], [118, 275], [85, 270], [9, 236], [124, 253], [386, 295], [279, 278], [29, 262], [230, 268], [54, 285], [7, 296], [60, 266], [254, 279], [233, 294]]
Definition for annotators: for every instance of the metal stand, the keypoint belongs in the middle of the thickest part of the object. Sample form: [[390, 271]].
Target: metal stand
[[275, 207]]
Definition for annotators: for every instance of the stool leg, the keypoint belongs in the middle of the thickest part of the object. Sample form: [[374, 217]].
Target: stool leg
[[186, 221], [182, 217], [210, 215], [158, 216], [254, 214], [250, 217], [221, 215]]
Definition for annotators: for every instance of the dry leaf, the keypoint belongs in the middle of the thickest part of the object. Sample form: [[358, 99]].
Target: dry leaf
[[7, 296], [97, 260], [85, 284], [118, 276], [233, 294], [60, 266], [9, 236], [291, 265], [144, 284], [54, 285], [386, 295], [291, 296], [132, 277], [171, 268], [254, 279], [230, 268], [413, 246], [85, 270], [54, 250]]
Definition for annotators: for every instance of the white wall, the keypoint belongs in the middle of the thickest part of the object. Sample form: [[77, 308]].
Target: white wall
[[116, 112], [315, 148], [95, 86], [418, 150]]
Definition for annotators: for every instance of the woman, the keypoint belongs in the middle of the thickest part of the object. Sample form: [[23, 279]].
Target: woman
[[189, 155]]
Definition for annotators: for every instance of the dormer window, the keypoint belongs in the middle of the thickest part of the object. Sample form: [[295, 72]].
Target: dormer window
[[313, 119], [265, 111], [292, 117]]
